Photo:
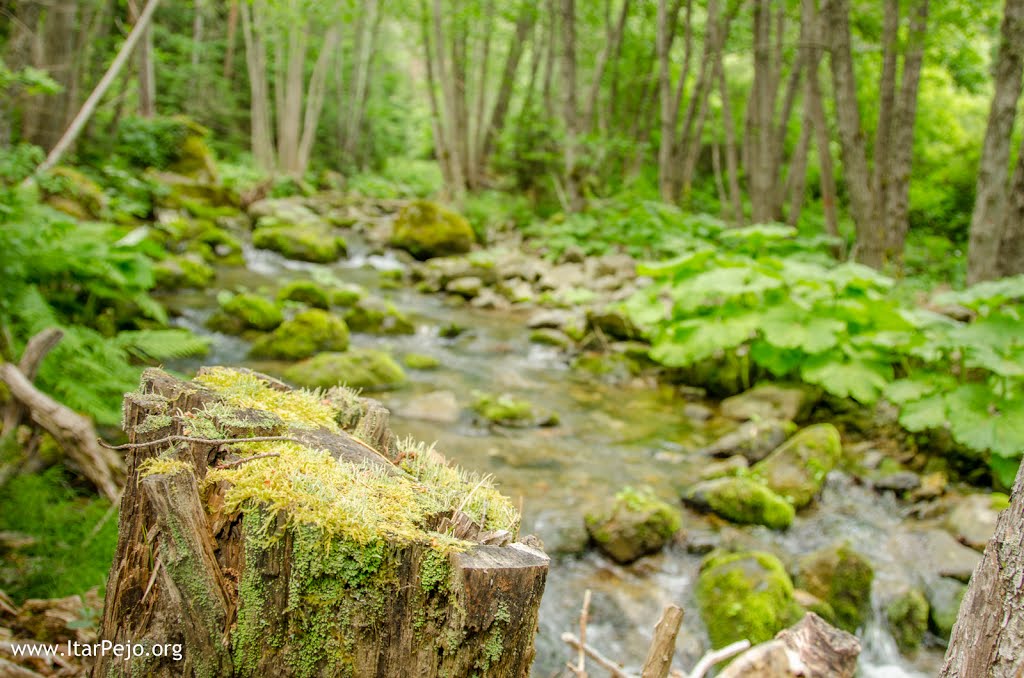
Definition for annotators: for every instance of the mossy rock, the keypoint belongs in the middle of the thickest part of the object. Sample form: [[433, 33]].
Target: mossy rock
[[425, 230], [304, 243], [366, 369], [187, 270], [305, 292], [308, 333], [745, 596], [741, 500], [246, 312], [797, 468], [346, 294], [636, 524], [907, 615], [376, 316], [610, 367], [944, 598], [73, 193], [550, 337], [842, 578], [504, 409], [421, 361]]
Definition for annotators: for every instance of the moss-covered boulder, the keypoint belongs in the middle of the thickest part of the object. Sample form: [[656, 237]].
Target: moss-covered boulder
[[305, 292], [186, 270], [772, 401], [506, 410], [304, 243], [425, 229], [636, 524], [376, 316], [797, 469], [243, 312], [907, 615], [745, 596], [741, 500], [73, 193], [365, 369], [308, 333], [421, 361], [944, 598], [842, 578], [346, 294]]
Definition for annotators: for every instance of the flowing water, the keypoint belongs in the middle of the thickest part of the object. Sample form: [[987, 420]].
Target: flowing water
[[609, 436]]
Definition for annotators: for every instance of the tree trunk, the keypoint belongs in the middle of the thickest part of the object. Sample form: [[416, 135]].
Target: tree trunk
[[251, 593], [315, 97], [256, 62], [988, 637], [1011, 243], [987, 221], [613, 34], [572, 170], [47, 117], [229, 49], [814, 112]]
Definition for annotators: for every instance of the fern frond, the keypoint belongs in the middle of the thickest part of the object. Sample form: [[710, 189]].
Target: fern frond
[[162, 344]]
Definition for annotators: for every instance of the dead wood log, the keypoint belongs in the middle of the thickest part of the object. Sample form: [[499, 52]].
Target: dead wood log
[[663, 647], [811, 649], [252, 593]]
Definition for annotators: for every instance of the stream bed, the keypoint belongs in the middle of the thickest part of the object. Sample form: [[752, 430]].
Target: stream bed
[[609, 436]]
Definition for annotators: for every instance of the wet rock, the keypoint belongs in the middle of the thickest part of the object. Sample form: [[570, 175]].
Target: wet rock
[[451, 330], [187, 270], [898, 481], [745, 596], [243, 312], [944, 597], [730, 466], [770, 401], [609, 367], [741, 500], [842, 578], [303, 243], [421, 361], [562, 276], [573, 254], [309, 332], [973, 520], [636, 524], [283, 212], [516, 291], [366, 369], [797, 469], [346, 294], [425, 230], [305, 292], [698, 412], [614, 324], [439, 406], [506, 410], [73, 193], [564, 532], [550, 337], [753, 439], [488, 299], [907, 615], [467, 286], [937, 551], [547, 318], [376, 316], [621, 265], [813, 603], [932, 486]]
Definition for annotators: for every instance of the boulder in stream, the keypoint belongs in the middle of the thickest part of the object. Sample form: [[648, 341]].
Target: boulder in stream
[[745, 596], [376, 316], [186, 270], [425, 230], [308, 333], [243, 312], [346, 294], [973, 520], [907, 616], [741, 500], [366, 369], [842, 578], [305, 292], [507, 410], [797, 469], [752, 439], [636, 524], [944, 598], [771, 401], [467, 286], [304, 243], [421, 361]]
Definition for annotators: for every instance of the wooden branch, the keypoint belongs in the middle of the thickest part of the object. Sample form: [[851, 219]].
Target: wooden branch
[[200, 441], [581, 660], [663, 647], [716, 656], [38, 347], [612, 667], [239, 462]]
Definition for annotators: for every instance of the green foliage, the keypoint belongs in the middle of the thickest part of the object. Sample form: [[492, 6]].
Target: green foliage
[[75, 537], [155, 141], [399, 178]]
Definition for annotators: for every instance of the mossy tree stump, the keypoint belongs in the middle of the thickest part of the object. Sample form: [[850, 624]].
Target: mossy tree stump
[[245, 554]]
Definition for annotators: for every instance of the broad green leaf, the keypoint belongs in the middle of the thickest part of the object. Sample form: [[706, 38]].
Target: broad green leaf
[[987, 295], [791, 327], [999, 330], [917, 386], [862, 380], [695, 261], [982, 421], [700, 338], [779, 362], [925, 413], [1004, 469]]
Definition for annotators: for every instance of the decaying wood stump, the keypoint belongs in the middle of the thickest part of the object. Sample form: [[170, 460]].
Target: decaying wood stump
[[812, 648], [248, 591]]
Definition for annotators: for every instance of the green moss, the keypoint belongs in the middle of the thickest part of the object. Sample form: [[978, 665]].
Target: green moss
[[304, 292], [154, 422], [435, 569], [73, 193], [243, 312], [637, 523], [1000, 502], [188, 270], [346, 294], [426, 230], [308, 333], [745, 596], [161, 466], [742, 500], [421, 361], [503, 409], [841, 577], [797, 469], [358, 369], [376, 316], [305, 243], [907, 615]]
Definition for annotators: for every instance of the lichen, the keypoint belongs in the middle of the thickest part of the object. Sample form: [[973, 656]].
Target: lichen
[[154, 422], [161, 465]]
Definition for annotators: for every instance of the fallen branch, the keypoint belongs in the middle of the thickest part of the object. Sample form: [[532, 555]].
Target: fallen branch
[[663, 647], [201, 441], [716, 656], [612, 667], [239, 462]]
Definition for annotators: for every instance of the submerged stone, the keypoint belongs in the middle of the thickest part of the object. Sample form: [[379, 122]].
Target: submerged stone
[[842, 578], [636, 524], [367, 369], [421, 361], [797, 469], [741, 500], [309, 332], [944, 598], [305, 292], [425, 230], [771, 401], [907, 615], [246, 312]]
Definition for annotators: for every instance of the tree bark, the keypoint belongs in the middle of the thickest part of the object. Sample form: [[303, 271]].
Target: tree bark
[[256, 62], [229, 49], [814, 112], [988, 637], [810, 649], [146, 70], [1011, 243], [570, 111], [987, 220], [186, 571]]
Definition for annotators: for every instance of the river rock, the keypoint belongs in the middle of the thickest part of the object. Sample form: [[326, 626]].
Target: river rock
[[179, 271], [73, 193], [308, 333], [944, 597], [490, 300], [346, 294], [950, 557], [615, 324], [305, 292], [562, 276], [439, 406], [376, 316], [304, 243], [621, 265], [745, 596], [507, 410], [753, 439], [698, 412], [552, 318], [797, 469], [636, 524], [280, 211], [973, 519], [770, 401], [550, 337], [425, 230], [907, 616], [741, 500], [842, 578], [366, 369], [898, 481], [932, 486], [730, 466], [421, 361], [243, 312], [467, 286]]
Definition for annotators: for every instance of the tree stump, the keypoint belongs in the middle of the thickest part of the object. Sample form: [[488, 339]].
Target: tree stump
[[261, 587]]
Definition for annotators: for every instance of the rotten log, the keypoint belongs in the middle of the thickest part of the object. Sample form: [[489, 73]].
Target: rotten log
[[252, 593]]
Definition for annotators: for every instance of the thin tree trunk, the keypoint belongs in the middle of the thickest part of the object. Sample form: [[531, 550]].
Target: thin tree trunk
[[437, 122], [89, 106], [366, 37], [549, 63], [570, 111], [987, 220], [47, 117], [229, 53], [731, 160], [668, 117], [315, 96], [256, 61], [477, 129], [796, 178], [1011, 243], [613, 36], [449, 116], [197, 52], [814, 113]]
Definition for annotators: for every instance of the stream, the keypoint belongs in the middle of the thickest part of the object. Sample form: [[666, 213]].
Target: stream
[[609, 436]]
